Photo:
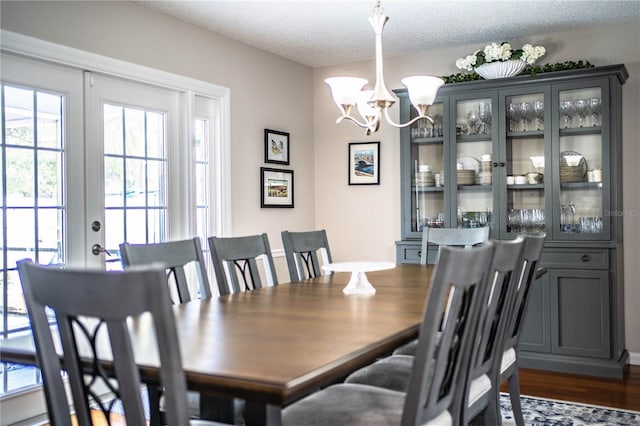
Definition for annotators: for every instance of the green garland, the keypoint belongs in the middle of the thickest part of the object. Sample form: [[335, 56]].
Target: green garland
[[530, 69]]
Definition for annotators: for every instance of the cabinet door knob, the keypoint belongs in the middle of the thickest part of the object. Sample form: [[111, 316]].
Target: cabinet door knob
[[586, 258], [495, 164], [502, 164], [419, 253]]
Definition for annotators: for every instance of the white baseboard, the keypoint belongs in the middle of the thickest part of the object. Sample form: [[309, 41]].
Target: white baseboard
[[634, 358]]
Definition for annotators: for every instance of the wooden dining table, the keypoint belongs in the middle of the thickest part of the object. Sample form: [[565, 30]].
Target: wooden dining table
[[274, 345]]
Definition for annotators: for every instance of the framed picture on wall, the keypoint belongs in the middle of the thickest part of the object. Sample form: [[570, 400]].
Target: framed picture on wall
[[276, 187], [364, 163], [276, 147]]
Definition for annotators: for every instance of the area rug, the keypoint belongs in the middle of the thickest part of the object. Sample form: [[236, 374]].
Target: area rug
[[536, 412], [549, 412]]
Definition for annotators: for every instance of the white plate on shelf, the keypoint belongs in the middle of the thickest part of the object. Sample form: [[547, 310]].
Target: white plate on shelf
[[470, 163]]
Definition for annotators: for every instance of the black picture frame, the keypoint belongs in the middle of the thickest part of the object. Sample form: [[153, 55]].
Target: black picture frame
[[276, 188], [364, 163], [276, 147]]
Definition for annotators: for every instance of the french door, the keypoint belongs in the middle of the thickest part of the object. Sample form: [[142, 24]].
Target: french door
[[131, 165], [42, 191], [86, 162]]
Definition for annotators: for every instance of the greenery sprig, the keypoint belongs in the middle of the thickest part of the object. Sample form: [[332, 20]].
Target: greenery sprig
[[530, 69]]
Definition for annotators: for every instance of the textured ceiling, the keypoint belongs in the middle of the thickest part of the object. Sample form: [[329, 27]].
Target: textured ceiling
[[330, 32]]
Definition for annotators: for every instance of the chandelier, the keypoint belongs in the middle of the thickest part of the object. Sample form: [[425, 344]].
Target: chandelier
[[371, 104]]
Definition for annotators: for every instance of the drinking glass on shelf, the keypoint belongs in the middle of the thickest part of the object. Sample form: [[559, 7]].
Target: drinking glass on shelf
[[512, 220], [567, 110], [595, 108], [485, 116], [526, 115], [437, 124], [582, 109], [537, 220], [524, 220], [473, 120], [514, 114], [424, 131], [538, 113]]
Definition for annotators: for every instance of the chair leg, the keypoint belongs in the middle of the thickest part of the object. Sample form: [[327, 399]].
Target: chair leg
[[514, 394], [490, 415]]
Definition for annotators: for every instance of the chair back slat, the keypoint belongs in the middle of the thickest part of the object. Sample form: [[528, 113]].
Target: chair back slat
[[526, 276], [92, 322], [451, 237], [174, 256], [301, 251], [498, 303], [446, 333], [233, 256]]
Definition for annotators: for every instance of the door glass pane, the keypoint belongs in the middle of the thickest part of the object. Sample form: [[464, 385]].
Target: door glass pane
[[155, 135], [136, 190], [49, 125], [525, 163], [135, 183], [155, 183], [113, 134], [114, 219], [114, 181], [474, 163], [581, 166], [134, 131]]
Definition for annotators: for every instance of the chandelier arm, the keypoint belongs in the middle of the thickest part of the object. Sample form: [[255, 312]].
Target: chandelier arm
[[390, 121], [355, 121]]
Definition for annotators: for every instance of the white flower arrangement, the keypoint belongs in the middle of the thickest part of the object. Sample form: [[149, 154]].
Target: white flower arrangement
[[500, 52]]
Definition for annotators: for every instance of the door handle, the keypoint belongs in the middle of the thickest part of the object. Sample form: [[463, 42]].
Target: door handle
[[96, 249]]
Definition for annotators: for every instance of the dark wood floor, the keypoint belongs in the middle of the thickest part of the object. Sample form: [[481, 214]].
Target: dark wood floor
[[623, 394]]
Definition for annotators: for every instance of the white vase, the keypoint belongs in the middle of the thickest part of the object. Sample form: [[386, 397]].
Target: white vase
[[501, 69]]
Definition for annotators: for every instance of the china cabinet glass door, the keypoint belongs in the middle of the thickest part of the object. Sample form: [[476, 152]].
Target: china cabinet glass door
[[428, 169], [581, 160], [525, 155], [473, 154]]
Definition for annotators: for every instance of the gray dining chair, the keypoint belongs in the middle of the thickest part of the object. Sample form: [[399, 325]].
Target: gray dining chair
[[301, 250], [86, 304], [481, 393], [532, 252], [444, 237], [480, 389], [235, 257], [457, 285], [175, 256], [451, 237]]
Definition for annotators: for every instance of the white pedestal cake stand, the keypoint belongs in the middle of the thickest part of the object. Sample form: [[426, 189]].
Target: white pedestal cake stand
[[358, 284]]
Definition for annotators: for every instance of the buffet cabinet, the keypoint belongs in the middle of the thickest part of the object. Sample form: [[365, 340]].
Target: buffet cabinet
[[532, 154]]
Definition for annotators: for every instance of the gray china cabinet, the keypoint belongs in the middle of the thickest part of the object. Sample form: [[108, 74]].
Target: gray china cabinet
[[532, 154]]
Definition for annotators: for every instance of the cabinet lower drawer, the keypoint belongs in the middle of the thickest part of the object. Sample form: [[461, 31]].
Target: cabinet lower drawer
[[408, 254], [411, 253], [579, 259]]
